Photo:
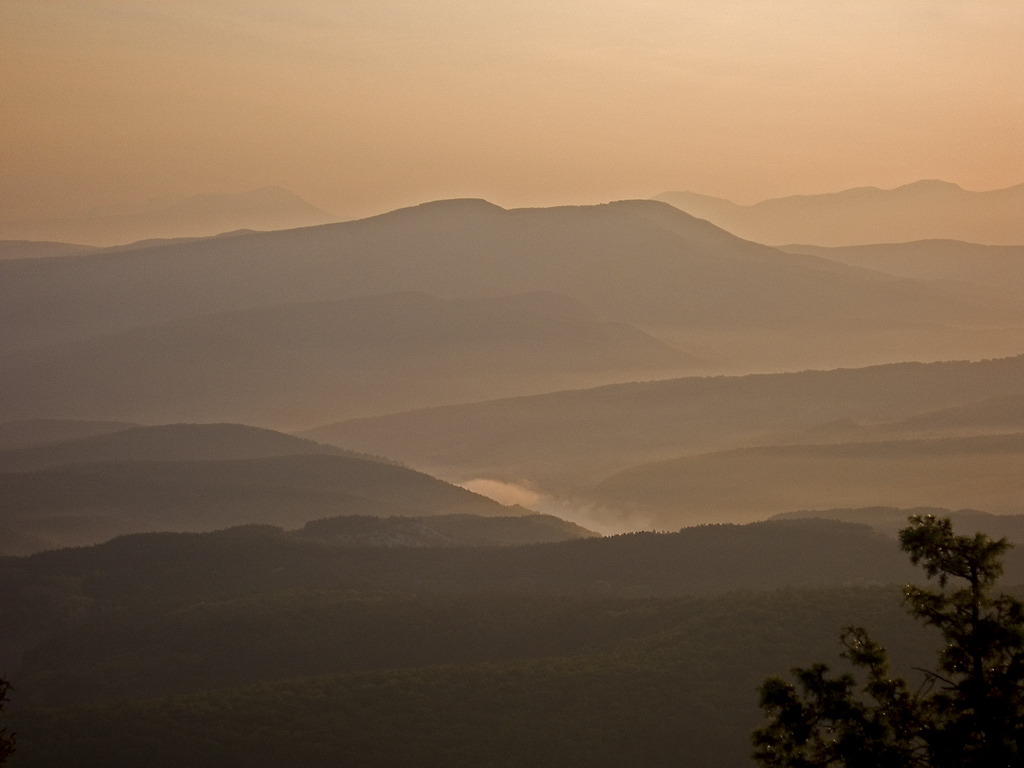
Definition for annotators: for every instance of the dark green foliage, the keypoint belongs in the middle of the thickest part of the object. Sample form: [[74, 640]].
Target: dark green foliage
[[184, 569], [967, 712], [585, 712], [831, 725], [6, 741], [440, 530], [649, 682], [582, 653], [977, 714], [151, 652], [891, 520]]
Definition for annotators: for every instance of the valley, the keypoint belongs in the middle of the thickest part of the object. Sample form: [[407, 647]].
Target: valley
[[506, 486]]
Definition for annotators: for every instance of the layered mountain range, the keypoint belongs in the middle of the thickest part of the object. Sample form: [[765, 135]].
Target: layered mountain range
[[614, 368], [446, 303], [195, 216], [198, 477], [925, 210]]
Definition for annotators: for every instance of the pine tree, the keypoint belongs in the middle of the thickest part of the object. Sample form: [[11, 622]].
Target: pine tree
[[969, 711]]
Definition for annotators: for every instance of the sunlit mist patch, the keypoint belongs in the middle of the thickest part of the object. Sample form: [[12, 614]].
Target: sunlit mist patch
[[604, 520], [504, 493]]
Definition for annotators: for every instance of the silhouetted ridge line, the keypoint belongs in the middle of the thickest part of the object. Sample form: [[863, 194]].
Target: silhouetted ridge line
[[927, 209]]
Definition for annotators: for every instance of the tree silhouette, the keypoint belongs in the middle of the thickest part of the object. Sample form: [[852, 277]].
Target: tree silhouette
[[6, 742], [968, 711]]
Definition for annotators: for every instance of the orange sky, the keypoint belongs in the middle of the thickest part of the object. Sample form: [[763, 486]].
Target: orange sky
[[364, 105]]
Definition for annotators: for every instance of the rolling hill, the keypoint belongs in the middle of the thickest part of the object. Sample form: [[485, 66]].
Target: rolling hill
[[31, 432], [748, 484], [924, 210], [998, 268], [995, 414], [201, 477], [39, 249], [179, 569], [86, 503], [890, 520], [989, 416], [166, 442], [593, 642], [301, 364], [500, 683], [567, 441], [196, 216], [639, 262], [440, 531]]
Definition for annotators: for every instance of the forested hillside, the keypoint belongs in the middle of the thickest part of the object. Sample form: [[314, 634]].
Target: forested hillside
[[524, 637], [650, 681]]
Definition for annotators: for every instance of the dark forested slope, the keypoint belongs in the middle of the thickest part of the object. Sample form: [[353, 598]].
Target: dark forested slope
[[90, 502], [440, 530], [555, 655], [185, 568], [165, 442], [891, 520], [658, 683]]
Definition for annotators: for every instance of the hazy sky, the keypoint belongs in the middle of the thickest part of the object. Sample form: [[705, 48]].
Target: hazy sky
[[361, 106]]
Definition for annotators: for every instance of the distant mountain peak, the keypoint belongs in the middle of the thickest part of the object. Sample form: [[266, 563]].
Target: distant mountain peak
[[438, 210], [928, 185], [201, 215], [927, 209], [473, 204]]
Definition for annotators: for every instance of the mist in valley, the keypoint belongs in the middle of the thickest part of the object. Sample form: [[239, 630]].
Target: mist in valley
[[492, 383]]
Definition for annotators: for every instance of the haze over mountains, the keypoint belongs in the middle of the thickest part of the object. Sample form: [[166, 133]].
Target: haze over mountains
[[357, 325], [292, 365], [32, 432], [450, 302], [568, 439], [465, 341], [459, 455], [742, 485], [639, 262], [39, 249], [925, 210], [996, 267], [204, 215]]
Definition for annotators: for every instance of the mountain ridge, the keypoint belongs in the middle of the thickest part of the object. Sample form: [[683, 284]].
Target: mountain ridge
[[167, 442], [643, 263], [565, 440], [299, 364], [925, 209], [90, 502], [201, 215], [739, 485]]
